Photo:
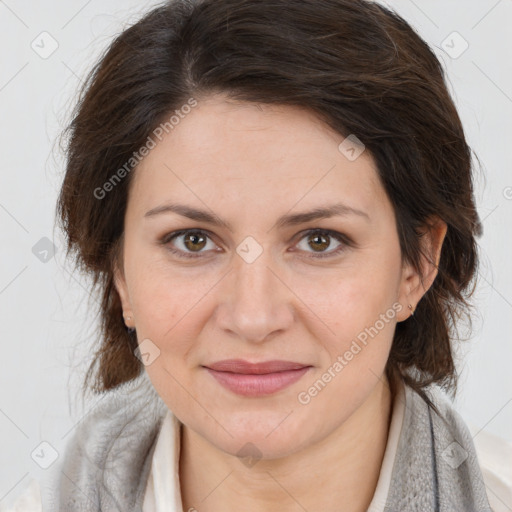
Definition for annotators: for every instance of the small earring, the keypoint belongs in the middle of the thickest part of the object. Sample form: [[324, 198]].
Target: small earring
[[129, 329], [412, 309]]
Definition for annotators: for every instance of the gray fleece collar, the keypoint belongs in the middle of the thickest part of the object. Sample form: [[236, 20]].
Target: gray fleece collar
[[107, 462]]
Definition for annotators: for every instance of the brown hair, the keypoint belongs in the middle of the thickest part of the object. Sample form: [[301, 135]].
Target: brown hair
[[357, 65]]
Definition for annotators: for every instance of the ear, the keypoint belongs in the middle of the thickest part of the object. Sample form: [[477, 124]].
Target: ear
[[122, 289], [412, 286]]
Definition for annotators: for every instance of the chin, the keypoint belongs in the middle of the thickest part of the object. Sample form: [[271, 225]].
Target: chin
[[250, 448], [259, 435]]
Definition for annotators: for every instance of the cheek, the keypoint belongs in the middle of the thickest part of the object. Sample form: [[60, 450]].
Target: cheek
[[171, 309], [355, 315], [360, 311], [167, 310], [337, 304], [353, 297]]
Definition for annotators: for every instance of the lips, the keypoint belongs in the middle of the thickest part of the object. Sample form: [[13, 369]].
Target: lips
[[256, 379], [247, 368]]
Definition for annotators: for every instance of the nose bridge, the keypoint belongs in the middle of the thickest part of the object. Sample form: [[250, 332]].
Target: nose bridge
[[257, 303]]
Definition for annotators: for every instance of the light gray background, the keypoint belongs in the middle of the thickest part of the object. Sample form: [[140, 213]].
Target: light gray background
[[46, 323]]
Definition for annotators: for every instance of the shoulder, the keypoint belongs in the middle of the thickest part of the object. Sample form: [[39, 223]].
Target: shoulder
[[493, 454], [109, 456], [495, 458], [110, 450], [117, 418], [28, 501]]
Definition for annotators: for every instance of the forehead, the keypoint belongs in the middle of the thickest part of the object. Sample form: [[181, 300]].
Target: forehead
[[229, 152]]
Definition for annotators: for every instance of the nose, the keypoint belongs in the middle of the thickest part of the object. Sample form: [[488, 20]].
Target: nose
[[256, 303]]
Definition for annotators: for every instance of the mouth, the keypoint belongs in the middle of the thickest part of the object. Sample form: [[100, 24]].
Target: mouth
[[256, 379]]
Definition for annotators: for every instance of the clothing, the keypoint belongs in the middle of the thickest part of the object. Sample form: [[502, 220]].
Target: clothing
[[435, 466], [163, 489]]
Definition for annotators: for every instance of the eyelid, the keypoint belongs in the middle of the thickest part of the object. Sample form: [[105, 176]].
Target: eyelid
[[167, 238], [340, 237], [344, 240]]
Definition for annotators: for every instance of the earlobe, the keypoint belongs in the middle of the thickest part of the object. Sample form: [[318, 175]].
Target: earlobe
[[415, 283], [408, 292], [122, 290]]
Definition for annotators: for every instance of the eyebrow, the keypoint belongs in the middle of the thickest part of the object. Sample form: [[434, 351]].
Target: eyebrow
[[325, 212]]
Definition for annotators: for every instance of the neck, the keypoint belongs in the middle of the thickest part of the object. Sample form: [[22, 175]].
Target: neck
[[340, 471]]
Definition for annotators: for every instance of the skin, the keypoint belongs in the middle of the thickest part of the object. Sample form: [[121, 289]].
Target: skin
[[249, 164]]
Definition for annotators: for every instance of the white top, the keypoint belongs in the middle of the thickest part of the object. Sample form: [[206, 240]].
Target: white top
[[163, 486], [494, 454], [160, 496]]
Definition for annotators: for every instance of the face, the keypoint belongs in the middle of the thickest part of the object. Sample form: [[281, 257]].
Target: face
[[251, 279]]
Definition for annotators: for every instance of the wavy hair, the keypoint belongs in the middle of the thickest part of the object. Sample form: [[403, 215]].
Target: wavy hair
[[358, 65]]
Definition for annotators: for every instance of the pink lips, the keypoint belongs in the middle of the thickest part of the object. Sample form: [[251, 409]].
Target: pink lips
[[256, 379]]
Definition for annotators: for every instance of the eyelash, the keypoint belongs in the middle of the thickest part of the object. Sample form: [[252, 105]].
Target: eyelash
[[343, 239]]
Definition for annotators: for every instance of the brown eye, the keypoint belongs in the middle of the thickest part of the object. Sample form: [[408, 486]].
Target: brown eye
[[191, 243], [187, 243], [194, 241], [319, 241]]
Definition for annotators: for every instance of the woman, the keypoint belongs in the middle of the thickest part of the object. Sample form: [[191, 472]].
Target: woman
[[292, 359]]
